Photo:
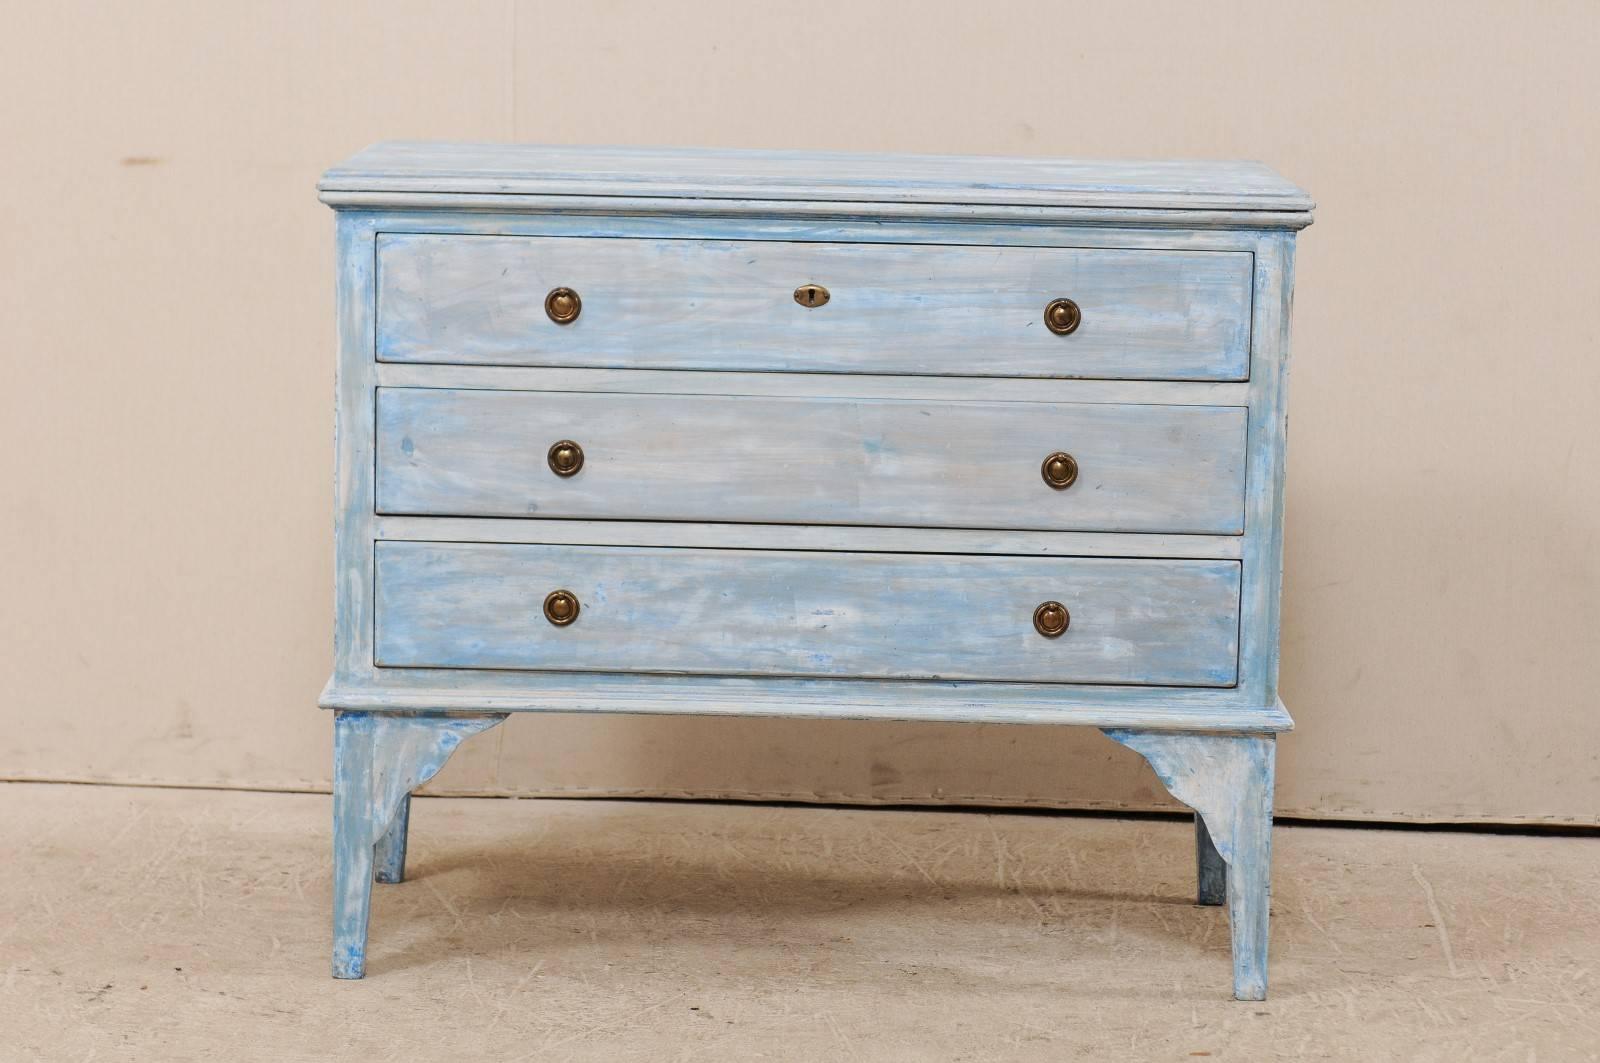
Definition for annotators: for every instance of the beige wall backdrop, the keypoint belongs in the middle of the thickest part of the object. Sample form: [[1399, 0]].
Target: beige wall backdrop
[[166, 323]]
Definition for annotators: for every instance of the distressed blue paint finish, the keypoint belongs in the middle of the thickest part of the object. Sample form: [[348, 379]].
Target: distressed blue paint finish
[[635, 220], [354, 381], [1210, 872], [1155, 468], [378, 759], [1182, 186], [731, 612], [390, 854], [1228, 781], [811, 512], [714, 304], [943, 701]]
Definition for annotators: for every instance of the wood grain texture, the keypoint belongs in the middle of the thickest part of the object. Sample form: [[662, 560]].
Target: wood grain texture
[[443, 605], [1264, 499], [1228, 781], [378, 759], [711, 304], [448, 452], [712, 174], [354, 410]]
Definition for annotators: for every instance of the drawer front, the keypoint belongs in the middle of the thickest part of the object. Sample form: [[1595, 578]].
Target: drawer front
[[730, 304], [753, 612], [1149, 468]]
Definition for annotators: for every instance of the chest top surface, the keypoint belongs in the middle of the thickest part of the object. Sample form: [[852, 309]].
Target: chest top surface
[[408, 167]]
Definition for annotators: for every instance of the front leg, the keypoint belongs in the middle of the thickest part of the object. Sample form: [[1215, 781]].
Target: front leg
[[378, 759], [1227, 779], [353, 832]]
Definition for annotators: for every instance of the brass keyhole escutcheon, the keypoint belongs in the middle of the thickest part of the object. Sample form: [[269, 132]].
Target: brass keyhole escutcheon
[[563, 305], [565, 458], [561, 608], [1051, 619], [1060, 470], [811, 296], [1062, 317]]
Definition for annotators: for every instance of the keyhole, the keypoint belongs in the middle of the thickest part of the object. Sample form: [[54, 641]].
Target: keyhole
[[811, 296]]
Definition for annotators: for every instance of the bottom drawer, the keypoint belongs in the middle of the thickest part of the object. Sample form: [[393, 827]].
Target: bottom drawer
[[760, 612]]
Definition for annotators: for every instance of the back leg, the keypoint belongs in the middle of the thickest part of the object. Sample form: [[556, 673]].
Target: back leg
[[1212, 872], [389, 862]]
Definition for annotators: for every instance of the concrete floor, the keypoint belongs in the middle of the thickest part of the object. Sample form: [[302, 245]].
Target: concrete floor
[[193, 925]]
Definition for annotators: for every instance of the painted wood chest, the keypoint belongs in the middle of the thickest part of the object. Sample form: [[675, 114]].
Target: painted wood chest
[[842, 436]]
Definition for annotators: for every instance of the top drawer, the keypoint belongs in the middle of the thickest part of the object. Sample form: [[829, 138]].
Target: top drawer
[[891, 308]]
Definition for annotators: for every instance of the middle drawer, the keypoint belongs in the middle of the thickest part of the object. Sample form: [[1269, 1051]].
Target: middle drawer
[[1138, 468]]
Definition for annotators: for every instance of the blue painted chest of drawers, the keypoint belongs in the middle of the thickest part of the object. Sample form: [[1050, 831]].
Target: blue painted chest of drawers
[[848, 436]]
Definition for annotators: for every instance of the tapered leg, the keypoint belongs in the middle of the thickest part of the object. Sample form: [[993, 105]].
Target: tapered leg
[[390, 857], [378, 759], [1227, 779], [1249, 884], [353, 832], [1211, 871]]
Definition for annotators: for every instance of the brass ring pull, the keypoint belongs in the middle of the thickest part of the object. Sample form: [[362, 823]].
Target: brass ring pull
[[1062, 317], [1051, 619], [1060, 470], [811, 296], [561, 608], [565, 458], [563, 305]]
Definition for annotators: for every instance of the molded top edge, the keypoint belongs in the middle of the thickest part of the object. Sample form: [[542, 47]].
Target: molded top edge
[[406, 167]]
